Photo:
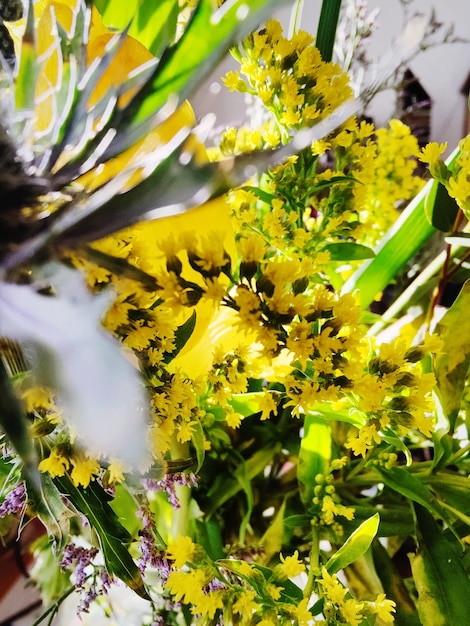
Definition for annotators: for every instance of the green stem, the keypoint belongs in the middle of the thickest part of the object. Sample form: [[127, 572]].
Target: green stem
[[327, 24], [404, 300], [314, 559], [454, 457], [54, 608]]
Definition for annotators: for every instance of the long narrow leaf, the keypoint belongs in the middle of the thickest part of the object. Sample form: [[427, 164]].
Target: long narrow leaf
[[327, 24], [203, 45], [175, 185], [113, 537]]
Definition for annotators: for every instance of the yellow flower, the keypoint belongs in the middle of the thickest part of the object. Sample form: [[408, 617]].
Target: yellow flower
[[245, 604], [267, 405], [115, 470], [37, 397], [302, 614], [384, 608], [351, 610], [181, 551], [289, 567], [208, 603], [84, 471], [431, 153], [232, 418], [55, 464]]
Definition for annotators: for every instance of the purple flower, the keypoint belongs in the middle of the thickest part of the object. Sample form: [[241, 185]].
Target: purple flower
[[14, 502], [82, 557], [169, 483], [150, 554]]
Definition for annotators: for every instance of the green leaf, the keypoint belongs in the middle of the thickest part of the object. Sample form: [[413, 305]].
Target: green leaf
[[440, 578], [327, 24], [152, 23], [393, 439], [407, 235], [452, 362], [395, 518], [208, 535], [206, 40], [272, 540], [355, 545], [263, 195], [155, 24], [441, 210], [297, 521], [401, 480], [182, 335], [14, 423], [113, 537], [252, 467], [125, 507], [314, 456], [348, 251], [197, 439], [28, 71]]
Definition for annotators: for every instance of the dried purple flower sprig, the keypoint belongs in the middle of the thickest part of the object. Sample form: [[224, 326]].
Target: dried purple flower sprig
[[90, 580], [169, 483], [14, 502]]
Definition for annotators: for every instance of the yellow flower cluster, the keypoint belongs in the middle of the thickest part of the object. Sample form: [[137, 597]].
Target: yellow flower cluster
[[395, 393], [346, 189], [233, 589], [289, 77], [347, 610], [292, 82]]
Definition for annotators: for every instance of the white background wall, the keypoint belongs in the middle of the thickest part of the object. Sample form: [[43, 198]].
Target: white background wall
[[442, 71]]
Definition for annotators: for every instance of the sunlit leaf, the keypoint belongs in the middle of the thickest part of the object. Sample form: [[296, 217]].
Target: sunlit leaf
[[355, 545], [403, 240], [272, 540], [452, 362], [314, 455]]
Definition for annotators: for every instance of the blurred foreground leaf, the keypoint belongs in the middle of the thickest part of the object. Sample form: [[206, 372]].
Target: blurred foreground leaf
[[441, 581]]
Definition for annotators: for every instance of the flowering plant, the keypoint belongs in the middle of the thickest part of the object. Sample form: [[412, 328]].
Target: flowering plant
[[242, 440]]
